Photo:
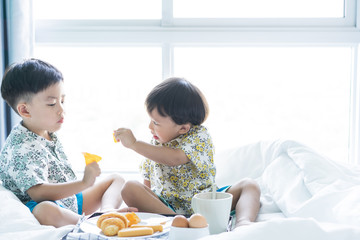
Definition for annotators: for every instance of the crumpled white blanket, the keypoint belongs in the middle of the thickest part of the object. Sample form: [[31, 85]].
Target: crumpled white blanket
[[17, 222], [290, 228], [305, 184], [319, 198]]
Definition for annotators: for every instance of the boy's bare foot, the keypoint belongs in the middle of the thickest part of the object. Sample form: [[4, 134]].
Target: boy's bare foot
[[240, 224], [125, 209]]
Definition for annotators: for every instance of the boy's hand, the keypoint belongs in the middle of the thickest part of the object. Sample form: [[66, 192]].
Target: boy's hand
[[125, 136], [92, 171]]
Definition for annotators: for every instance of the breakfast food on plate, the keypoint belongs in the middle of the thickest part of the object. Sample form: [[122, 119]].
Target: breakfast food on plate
[[197, 221], [111, 223], [133, 218], [112, 215], [156, 228], [180, 221], [114, 223], [111, 226], [89, 158], [134, 232]]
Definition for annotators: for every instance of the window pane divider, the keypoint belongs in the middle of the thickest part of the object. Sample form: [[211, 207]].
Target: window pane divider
[[167, 13]]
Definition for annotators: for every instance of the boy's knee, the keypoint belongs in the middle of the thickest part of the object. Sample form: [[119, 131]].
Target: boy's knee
[[250, 184], [45, 212], [129, 188], [117, 178]]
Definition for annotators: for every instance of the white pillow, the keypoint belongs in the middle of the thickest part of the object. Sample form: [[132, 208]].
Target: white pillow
[[17, 222], [237, 163], [14, 211]]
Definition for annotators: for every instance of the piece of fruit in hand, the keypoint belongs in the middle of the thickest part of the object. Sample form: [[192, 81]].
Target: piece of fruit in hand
[[89, 158]]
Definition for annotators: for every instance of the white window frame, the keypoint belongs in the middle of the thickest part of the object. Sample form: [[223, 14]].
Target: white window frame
[[349, 19], [169, 32]]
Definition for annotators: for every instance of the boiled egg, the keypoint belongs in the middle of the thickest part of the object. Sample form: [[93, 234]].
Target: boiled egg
[[180, 221], [197, 221]]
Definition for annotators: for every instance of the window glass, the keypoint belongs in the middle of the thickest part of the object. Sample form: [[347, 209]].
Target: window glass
[[97, 9], [105, 89], [258, 8], [267, 93]]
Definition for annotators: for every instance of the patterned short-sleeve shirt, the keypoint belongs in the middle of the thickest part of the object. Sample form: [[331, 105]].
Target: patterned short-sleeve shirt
[[178, 184], [27, 160]]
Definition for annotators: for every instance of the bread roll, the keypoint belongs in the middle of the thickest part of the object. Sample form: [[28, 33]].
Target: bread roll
[[111, 215], [111, 226]]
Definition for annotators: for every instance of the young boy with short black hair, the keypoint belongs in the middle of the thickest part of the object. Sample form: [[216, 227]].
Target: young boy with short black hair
[[33, 164]]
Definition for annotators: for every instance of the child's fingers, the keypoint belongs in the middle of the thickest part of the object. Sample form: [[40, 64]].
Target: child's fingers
[[117, 133], [115, 140], [95, 167]]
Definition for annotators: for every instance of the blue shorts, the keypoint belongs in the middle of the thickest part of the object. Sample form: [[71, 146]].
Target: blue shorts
[[166, 203], [79, 196], [223, 189]]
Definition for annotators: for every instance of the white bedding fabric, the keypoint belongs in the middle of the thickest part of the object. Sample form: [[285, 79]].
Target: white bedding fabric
[[304, 196], [17, 222], [318, 198]]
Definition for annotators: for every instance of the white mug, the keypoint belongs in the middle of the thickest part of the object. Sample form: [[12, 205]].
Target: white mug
[[216, 211]]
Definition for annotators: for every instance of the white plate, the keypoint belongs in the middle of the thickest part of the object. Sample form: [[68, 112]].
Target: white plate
[[89, 225]]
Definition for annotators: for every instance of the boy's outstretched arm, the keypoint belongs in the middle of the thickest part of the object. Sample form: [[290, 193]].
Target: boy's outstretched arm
[[159, 154], [56, 191]]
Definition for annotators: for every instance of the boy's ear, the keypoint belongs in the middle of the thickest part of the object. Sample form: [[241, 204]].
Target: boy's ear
[[22, 110], [185, 128]]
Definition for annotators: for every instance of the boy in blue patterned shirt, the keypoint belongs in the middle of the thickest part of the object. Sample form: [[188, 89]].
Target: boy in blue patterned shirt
[[180, 160], [33, 164]]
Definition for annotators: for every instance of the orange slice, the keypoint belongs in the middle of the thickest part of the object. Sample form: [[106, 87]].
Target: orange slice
[[114, 138], [89, 158], [133, 218]]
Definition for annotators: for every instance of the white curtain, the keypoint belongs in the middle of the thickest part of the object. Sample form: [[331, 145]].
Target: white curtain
[[2, 68], [20, 39]]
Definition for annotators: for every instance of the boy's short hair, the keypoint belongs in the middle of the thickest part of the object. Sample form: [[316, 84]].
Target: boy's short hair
[[180, 100], [22, 80]]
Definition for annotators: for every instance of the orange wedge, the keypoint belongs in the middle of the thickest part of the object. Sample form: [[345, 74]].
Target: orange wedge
[[89, 158], [133, 218], [114, 138]]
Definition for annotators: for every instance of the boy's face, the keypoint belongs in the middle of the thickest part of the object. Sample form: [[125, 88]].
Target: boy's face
[[46, 110], [163, 129]]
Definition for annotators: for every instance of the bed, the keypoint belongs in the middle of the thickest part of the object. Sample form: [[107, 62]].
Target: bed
[[304, 196]]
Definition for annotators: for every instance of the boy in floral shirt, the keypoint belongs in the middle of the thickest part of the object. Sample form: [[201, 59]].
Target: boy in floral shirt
[[33, 164], [180, 160]]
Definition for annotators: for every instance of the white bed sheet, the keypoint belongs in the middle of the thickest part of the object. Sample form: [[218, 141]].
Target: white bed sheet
[[291, 228], [17, 222], [304, 196]]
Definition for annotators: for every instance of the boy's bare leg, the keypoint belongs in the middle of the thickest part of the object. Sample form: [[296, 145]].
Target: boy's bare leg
[[48, 213], [104, 195], [246, 201], [140, 196]]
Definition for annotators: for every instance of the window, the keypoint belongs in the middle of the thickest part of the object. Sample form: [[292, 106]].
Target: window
[[264, 93], [104, 91], [258, 9], [95, 9], [273, 75]]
